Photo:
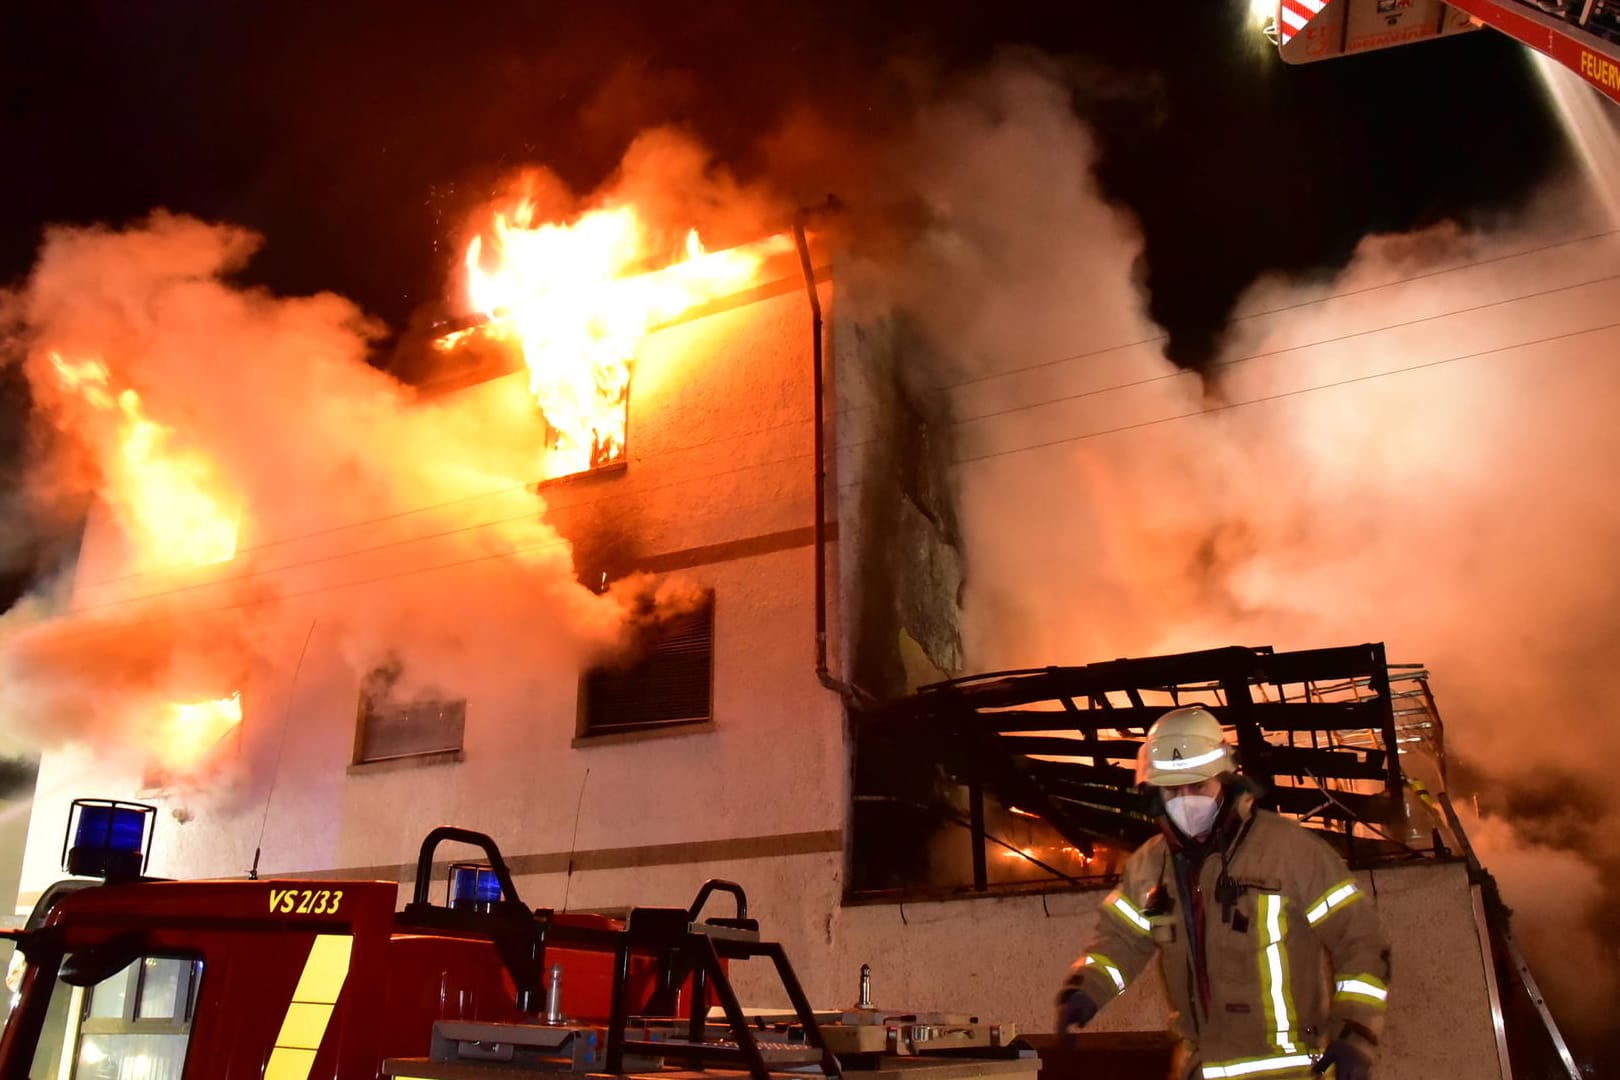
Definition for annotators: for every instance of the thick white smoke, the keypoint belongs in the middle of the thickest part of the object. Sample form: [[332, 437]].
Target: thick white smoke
[[405, 525], [1417, 451], [339, 479], [299, 436]]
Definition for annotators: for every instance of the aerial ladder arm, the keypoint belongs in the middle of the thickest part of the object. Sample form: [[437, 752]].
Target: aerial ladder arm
[[1582, 35], [1586, 39]]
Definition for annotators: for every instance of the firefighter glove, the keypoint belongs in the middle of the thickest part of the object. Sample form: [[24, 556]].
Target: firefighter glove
[[1347, 1060], [1075, 1011]]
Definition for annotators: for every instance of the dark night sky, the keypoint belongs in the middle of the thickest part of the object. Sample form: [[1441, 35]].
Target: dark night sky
[[354, 136]]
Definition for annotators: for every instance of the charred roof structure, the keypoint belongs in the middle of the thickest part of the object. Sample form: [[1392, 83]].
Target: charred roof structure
[[1336, 738]]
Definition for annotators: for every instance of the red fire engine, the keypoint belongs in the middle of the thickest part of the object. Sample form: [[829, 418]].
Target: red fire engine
[[128, 978], [1583, 35]]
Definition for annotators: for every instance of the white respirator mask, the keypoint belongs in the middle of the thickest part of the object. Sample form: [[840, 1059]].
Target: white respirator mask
[[1194, 815]]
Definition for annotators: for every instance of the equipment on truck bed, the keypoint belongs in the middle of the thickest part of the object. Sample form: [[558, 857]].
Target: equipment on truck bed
[[863, 1031]]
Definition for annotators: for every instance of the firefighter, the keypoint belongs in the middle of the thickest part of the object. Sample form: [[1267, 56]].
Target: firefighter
[[1273, 957]]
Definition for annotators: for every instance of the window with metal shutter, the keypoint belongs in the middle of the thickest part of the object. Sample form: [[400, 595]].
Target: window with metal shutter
[[670, 684], [390, 729]]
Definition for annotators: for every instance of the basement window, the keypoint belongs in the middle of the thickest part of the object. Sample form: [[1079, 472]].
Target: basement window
[[390, 729], [666, 682]]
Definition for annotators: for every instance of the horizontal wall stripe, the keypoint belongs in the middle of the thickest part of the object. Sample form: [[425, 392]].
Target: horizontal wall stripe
[[793, 283], [625, 858], [748, 547]]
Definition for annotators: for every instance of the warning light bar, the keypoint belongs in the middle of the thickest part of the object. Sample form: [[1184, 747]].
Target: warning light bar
[[109, 839], [473, 887]]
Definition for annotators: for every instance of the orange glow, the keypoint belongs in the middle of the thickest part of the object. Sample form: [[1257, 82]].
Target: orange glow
[[190, 731], [1069, 851], [160, 493], [572, 299]]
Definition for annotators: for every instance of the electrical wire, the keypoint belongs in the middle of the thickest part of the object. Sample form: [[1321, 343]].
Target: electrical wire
[[1235, 361], [526, 485], [1281, 395], [1270, 353], [1263, 313], [69, 616], [529, 515], [555, 507], [1285, 394], [688, 448], [959, 461]]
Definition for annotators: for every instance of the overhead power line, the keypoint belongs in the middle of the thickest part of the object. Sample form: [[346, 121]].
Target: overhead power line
[[266, 572], [261, 573], [555, 506], [88, 628], [1235, 361], [1104, 350], [1284, 394], [510, 489]]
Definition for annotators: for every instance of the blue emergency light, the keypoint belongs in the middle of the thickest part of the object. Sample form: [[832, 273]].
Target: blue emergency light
[[109, 838], [473, 887]]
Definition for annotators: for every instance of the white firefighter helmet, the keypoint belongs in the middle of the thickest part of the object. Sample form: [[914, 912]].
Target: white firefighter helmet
[[1185, 746]]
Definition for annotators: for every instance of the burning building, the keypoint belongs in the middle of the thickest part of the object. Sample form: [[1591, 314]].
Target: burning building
[[621, 587]]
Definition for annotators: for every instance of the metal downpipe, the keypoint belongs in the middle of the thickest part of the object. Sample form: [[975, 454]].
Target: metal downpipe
[[844, 689]]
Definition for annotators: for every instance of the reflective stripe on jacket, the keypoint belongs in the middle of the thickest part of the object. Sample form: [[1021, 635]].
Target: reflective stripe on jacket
[[1298, 954]]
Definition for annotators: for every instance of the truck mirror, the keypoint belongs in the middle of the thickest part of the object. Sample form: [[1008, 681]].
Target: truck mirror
[[94, 963]]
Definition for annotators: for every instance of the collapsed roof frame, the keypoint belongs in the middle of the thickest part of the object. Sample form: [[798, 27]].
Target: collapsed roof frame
[[1328, 735]]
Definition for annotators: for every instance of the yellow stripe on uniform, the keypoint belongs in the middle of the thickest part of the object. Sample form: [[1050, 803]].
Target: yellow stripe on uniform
[[1128, 911], [310, 1009], [1331, 901], [1367, 989], [1256, 1067], [1274, 985], [1110, 968]]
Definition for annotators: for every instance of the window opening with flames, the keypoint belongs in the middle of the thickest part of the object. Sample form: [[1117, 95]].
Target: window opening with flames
[[575, 301]]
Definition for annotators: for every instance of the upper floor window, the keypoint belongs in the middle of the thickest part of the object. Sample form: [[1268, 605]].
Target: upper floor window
[[666, 681], [391, 728]]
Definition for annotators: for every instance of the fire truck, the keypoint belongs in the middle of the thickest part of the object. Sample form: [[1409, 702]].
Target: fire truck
[[1582, 35], [123, 977]]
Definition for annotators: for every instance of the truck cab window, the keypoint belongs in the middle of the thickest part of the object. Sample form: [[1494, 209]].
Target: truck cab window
[[135, 1023]]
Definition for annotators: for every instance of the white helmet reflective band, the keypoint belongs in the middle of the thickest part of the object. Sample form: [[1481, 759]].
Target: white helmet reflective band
[[1193, 762], [1184, 746]]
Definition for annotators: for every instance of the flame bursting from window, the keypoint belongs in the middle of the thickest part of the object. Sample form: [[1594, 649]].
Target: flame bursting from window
[[159, 492], [575, 301], [192, 730]]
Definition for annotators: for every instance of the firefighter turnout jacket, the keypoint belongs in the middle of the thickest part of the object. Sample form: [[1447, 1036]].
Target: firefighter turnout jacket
[[1269, 948]]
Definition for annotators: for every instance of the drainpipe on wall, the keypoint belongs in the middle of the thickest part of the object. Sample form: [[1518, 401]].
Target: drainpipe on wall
[[845, 690]]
